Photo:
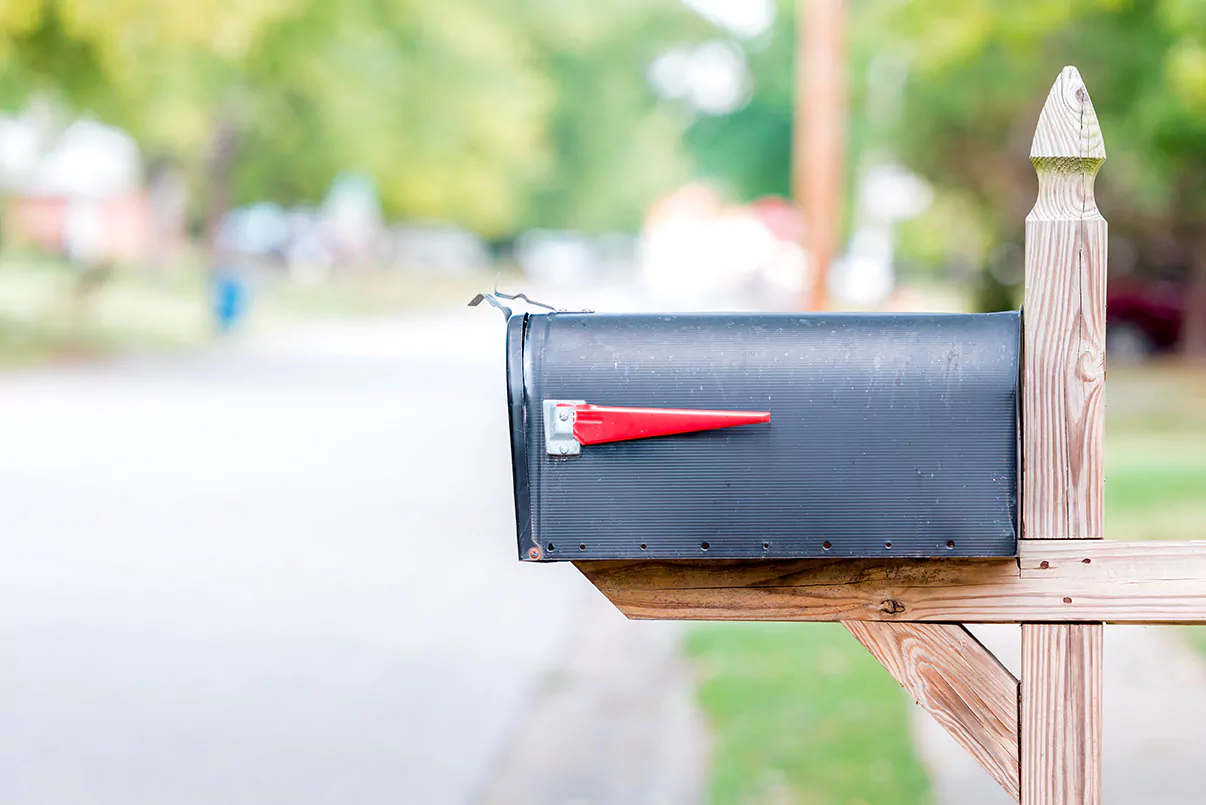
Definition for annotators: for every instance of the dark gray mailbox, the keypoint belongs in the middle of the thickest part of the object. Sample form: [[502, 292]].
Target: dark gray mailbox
[[741, 435]]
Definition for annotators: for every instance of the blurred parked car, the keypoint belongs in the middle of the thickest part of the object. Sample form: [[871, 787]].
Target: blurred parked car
[[557, 257], [1144, 316], [438, 247], [258, 230]]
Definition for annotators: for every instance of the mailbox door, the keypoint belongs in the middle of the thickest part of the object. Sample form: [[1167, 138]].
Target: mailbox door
[[888, 435]]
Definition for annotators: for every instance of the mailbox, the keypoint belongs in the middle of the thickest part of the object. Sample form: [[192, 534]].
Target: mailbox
[[747, 435]]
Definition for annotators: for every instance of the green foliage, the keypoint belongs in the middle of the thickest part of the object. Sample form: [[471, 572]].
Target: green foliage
[[505, 115], [749, 150], [614, 147], [802, 713], [440, 103], [1156, 454], [977, 81], [1156, 459], [975, 76], [493, 114]]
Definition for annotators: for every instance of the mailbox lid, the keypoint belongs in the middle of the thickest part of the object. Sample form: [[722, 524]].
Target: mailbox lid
[[890, 435]]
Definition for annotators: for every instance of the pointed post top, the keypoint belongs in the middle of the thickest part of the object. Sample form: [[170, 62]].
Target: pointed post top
[[1067, 126]]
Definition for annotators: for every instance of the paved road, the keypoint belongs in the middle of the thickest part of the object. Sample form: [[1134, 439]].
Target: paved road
[[615, 723], [279, 572]]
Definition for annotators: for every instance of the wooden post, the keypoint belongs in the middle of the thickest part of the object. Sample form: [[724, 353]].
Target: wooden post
[[1063, 416], [819, 130]]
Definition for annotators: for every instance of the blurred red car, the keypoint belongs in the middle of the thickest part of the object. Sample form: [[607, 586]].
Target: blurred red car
[[1143, 316]]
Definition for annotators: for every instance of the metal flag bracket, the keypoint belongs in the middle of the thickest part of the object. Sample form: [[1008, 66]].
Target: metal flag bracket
[[494, 300]]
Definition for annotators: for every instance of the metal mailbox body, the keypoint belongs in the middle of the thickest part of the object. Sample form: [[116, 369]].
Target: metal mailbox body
[[889, 435]]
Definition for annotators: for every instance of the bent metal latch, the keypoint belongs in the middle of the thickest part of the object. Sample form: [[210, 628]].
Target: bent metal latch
[[569, 424]]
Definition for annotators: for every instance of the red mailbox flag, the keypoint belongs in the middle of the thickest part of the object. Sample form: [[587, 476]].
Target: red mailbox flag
[[597, 424]]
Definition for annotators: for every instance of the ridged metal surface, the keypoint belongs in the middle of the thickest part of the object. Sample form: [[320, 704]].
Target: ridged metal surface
[[891, 435]]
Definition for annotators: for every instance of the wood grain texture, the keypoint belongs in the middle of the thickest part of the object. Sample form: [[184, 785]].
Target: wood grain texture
[[1061, 713], [1122, 582], [959, 682], [1063, 390], [1063, 421]]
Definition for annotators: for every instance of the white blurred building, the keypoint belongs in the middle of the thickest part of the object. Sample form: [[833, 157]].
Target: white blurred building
[[77, 192], [351, 219], [885, 194], [699, 252]]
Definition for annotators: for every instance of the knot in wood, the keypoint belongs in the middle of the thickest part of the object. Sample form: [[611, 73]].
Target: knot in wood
[[1090, 366], [890, 606]]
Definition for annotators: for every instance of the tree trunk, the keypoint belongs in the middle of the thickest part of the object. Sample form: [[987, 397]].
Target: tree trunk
[[219, 174]]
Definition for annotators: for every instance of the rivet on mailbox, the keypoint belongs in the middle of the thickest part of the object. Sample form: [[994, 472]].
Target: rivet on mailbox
[[764, 435]]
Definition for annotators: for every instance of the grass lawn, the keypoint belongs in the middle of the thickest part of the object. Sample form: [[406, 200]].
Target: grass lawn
[[1156, 459], [801, 713], [45, 315], [1156, 453]]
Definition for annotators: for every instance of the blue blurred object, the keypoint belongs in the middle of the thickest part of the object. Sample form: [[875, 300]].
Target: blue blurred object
[[230, 296]]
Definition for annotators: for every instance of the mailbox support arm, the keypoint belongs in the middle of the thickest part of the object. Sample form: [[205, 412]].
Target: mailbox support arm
[[1039, 737]]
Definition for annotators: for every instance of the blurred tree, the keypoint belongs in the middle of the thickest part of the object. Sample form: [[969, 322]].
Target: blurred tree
[[440, 103], [614, 145], [749, 149], [488, 113], [977, 80], [974, 77]]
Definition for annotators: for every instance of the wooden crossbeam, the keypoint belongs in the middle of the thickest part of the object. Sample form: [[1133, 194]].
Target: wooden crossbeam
[[959, 682], [1052, 581]]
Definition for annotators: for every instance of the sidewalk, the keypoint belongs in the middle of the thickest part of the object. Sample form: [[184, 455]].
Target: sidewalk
[[616, 722]]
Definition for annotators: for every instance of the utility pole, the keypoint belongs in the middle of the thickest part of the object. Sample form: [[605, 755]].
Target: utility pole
[[818, 138]]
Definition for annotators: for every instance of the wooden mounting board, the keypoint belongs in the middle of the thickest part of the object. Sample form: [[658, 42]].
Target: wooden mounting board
[[1052, 581]]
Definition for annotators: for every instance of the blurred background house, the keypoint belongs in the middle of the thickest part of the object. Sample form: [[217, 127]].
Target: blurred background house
[[78, 193]]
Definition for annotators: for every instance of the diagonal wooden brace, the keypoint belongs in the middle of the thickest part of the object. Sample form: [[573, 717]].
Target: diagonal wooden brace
[[957, 681]]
